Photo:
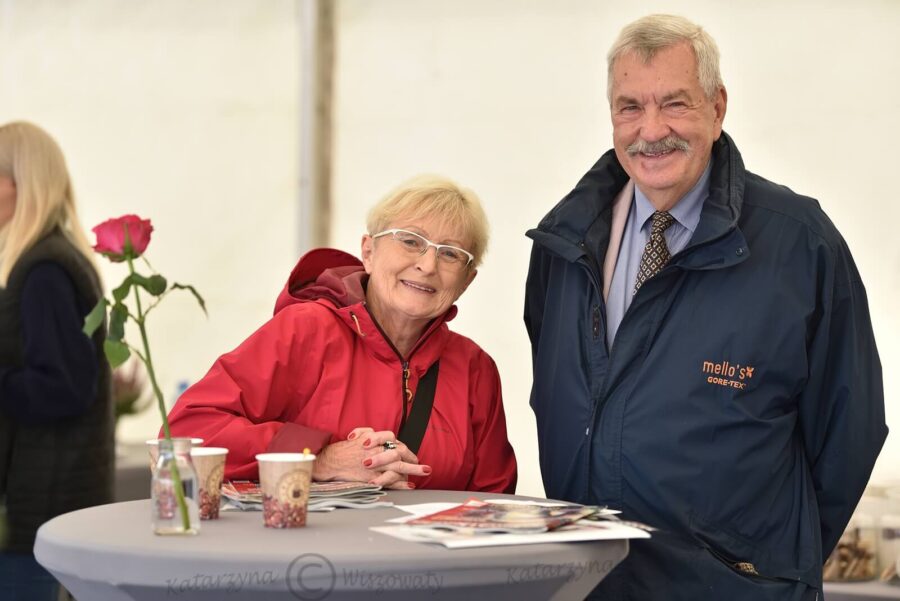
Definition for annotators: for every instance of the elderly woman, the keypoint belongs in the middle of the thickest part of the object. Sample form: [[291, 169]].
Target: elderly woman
[[56, 419], [358, 363]]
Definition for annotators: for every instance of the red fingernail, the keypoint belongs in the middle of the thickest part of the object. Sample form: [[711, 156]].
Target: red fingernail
[[352, 436], [426, 469], [367, 442], [410, 485], [367, 462]]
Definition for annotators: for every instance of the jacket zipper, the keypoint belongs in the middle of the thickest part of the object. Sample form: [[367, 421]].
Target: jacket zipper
[[405, 392]]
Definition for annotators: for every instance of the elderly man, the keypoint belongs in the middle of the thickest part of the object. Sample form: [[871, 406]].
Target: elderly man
[[703, 353]]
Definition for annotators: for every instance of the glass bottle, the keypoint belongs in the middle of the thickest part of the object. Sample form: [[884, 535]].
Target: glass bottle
[[165, 513]]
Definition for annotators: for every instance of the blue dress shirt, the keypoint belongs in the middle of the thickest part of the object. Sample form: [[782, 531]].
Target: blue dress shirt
[[637, 232]]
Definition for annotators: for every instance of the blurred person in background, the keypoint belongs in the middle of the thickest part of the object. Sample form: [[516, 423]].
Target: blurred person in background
[[359, 366], [56, 416]]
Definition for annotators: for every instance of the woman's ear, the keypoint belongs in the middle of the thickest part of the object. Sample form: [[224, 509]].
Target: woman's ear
[[469, 279], [367, 249]]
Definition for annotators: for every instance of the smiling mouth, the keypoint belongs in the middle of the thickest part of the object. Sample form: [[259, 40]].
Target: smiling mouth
[[419, 287], [656, 155]]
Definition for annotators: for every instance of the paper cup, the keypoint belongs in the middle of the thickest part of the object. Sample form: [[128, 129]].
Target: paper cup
[[209, 463], [284, 479], [153, 447]]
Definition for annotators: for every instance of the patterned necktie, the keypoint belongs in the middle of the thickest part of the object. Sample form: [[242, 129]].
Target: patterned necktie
[[656, 253]]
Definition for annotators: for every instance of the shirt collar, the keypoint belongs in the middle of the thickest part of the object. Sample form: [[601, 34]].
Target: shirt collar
[[686, 212]]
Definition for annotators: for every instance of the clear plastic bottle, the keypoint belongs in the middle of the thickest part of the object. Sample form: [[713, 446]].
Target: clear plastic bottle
[[889, 537], [854, 557], [165, 513]]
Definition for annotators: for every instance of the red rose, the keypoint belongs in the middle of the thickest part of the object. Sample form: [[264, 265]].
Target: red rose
[[116, 245]]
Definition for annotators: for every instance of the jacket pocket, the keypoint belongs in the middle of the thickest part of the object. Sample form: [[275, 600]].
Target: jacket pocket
[[751, 560]]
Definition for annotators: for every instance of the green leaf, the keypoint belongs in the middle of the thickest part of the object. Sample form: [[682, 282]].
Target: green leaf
[[95, 317], [116, 352], [177, 286], [121, 292], [155, 284], [117, 318]]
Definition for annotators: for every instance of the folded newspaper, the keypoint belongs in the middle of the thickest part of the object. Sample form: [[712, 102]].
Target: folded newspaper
[[323, 496]]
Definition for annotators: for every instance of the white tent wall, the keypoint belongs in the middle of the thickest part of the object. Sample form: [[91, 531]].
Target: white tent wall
[[509, 98], [187, 113], [184, 113]]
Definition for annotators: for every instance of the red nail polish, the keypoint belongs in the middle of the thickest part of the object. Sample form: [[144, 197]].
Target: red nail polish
[[367, 462], [352, 436], [410, 485], [367, 442], [426, 469]]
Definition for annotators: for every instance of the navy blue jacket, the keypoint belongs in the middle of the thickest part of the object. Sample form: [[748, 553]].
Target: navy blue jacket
[[740, 409]]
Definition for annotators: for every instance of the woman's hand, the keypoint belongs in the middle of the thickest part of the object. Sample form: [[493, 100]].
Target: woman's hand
[[362, 458]]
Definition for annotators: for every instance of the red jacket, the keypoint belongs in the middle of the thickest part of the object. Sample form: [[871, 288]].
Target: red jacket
[[321, 367]]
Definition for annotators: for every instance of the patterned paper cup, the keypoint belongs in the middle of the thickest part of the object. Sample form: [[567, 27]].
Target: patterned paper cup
[[153, 447], [209, 463], [284, 479]]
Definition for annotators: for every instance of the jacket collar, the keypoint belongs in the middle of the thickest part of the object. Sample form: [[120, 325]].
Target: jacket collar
[[580, 223]]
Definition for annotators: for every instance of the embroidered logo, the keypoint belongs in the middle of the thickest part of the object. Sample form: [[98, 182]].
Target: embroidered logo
[[728, 375]]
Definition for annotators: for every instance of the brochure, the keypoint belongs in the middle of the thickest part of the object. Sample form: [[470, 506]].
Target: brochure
[[480, 517], [601, 525]]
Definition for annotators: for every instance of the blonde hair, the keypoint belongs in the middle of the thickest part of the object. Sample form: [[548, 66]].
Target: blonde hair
[[648, 35], [44, 196], [436, 197]]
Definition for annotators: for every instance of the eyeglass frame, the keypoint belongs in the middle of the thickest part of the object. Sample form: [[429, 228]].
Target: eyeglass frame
[[428, 244]]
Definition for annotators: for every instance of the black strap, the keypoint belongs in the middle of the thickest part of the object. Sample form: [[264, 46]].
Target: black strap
[[413, 430]]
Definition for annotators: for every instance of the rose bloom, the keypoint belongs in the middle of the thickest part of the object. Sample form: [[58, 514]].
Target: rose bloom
[[111, 237]]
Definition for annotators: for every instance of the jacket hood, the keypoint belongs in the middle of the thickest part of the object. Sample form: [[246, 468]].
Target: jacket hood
[[325, 273], [338, 280]]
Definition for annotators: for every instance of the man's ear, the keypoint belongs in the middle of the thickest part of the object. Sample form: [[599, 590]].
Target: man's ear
[[367, 248], [720, 106]]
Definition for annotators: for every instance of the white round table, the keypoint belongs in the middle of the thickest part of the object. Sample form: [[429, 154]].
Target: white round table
[[108, 553]]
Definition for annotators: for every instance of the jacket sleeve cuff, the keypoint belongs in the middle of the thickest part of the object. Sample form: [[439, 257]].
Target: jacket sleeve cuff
[[293, 438]]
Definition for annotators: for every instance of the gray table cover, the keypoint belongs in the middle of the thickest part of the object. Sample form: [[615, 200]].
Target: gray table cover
[[109, 553]]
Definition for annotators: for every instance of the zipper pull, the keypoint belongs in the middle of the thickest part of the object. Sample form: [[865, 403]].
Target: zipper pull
[[406, 389]]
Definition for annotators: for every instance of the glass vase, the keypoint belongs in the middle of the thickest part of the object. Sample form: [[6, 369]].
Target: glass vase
[[166, 515]]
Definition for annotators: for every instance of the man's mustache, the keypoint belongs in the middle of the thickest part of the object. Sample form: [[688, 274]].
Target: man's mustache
[[671, 142]]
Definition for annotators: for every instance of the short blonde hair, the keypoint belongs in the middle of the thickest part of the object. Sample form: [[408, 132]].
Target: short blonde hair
[[44, 196], [436, 197], [648, 35]]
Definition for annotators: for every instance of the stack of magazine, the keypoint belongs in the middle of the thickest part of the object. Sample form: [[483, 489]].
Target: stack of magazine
[[323, 496], [479, 523]]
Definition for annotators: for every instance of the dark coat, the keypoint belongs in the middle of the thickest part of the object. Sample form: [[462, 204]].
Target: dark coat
[[57, 466], [740, 408]]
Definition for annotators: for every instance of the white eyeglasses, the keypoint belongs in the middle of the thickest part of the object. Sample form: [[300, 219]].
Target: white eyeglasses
[[415, 244]]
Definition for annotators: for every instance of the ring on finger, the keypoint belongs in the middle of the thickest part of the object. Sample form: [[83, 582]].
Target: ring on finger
[[389, 445]]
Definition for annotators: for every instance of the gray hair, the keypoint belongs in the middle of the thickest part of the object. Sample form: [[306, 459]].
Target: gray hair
[[648, 35]]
